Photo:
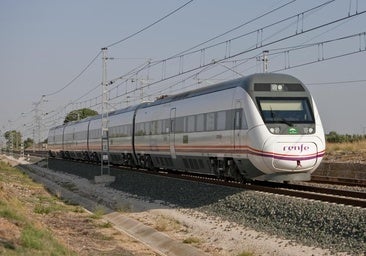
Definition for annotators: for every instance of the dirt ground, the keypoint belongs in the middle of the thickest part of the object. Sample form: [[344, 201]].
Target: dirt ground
[[86, 235], [83, 232]]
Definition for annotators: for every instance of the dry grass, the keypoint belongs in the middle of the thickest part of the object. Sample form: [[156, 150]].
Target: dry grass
[[192, 240], [165, 223], [359, 146], [355, 151]]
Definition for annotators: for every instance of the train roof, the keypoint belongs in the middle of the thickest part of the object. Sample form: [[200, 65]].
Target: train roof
[[246, 82]]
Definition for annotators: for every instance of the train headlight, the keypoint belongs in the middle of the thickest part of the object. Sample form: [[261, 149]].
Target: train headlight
[[308, 130], [275, 130], [277, 87]]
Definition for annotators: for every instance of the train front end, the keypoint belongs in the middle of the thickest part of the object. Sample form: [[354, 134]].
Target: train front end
[[287, 139]]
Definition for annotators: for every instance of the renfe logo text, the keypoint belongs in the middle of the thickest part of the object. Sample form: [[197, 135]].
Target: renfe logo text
[[298, 148]]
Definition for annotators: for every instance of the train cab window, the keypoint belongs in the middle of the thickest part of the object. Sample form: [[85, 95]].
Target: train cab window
[[285, 110]]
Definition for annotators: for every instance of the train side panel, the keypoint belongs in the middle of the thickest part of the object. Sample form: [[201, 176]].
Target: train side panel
[[194, 134], [153, 136], [120, 138], [55, 141], [80, 149], [94, 139]]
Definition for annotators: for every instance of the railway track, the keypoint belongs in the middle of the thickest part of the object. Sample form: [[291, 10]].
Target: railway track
[[338, 181], [338, 196], [331, 195]]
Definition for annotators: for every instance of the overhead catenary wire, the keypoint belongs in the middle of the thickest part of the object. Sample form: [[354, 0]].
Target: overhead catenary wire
[[223, 59], [235, 28], [120, 41], [338, 82], [263, 45], [149, 26], [113, 44], [138, 69], [187, 53], [122, 77], [76, 77]]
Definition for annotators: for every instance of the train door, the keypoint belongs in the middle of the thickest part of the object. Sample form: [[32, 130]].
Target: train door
[[238, 109], [172, 133]]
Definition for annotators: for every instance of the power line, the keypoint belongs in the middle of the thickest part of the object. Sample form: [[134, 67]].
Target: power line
[[338, 82], [149, 64], [149, 26], [200, 67], [229, 41], [235, 28], [74, 79], [260, 31], [124, 39]]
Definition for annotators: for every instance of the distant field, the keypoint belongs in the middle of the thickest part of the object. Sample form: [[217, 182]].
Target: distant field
[[347, 151]]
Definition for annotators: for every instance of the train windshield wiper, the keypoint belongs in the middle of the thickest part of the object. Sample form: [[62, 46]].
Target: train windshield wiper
[[276, 118], [284, 121]]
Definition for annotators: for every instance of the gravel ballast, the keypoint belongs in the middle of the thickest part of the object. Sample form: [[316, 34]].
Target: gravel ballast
[[312, 223]]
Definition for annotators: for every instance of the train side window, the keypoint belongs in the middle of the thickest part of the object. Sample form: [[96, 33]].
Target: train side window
[[159, 128], [165, 126], [221, 120], [200, 123], [230, 114], [129, 129], [147, 130], [139, 131], [154, 126], [125, 130], [237, 119], [191, 124], [179, 124], [210, 121]]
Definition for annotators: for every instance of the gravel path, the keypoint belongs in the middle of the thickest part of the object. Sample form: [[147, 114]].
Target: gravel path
[[235, 213]]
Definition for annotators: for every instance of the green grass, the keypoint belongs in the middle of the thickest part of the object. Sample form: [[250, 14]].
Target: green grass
[[34, 239], [48, 204], [11, 214], [106, 224], [98, 212], [245, 254], [192, 240], [39, 241]]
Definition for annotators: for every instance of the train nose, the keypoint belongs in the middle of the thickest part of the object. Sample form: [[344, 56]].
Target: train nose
[[292, 156]]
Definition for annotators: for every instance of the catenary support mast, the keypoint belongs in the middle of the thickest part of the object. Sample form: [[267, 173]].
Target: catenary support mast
[[105, 165]]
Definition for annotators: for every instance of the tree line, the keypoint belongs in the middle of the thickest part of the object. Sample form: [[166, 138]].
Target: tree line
[[334, 137], [14, 138]]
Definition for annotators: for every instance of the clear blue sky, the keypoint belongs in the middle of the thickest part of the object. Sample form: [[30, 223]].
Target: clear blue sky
[[45, 44]]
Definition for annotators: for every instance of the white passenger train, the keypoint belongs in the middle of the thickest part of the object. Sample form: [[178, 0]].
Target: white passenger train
[[263, 126]]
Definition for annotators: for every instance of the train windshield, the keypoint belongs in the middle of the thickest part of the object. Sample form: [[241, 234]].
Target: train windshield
[[286, 110]]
